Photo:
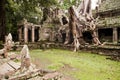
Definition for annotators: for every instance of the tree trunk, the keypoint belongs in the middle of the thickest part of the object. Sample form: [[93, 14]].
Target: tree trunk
[[73, 25], [95, 38], [2, 20]]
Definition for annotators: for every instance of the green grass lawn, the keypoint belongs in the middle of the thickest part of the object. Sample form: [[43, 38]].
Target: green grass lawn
[[77, 65]]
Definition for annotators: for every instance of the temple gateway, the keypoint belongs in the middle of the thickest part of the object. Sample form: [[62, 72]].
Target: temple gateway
[[28, 32]]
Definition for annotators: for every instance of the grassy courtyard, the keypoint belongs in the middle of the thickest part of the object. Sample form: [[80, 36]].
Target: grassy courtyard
[[77, 65]]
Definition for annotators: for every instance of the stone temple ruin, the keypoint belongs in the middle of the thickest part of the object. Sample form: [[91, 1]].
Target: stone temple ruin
[[109, 24], [49, 30], [7, 46], [94, 27], [56, 26], [19, 66], [56, 29], [66, 30], [23, 69], [28, 32]]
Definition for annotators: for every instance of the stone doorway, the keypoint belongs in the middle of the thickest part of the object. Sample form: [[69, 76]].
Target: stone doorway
[[106, 35], [36, 34], [29, 35], [87, 37], [118, 35]]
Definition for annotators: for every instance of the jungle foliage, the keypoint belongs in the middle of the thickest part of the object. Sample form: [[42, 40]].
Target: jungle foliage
[[12, 11]]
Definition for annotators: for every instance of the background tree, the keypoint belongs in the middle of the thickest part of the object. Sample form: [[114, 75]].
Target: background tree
[[12, 11], [2, 19]]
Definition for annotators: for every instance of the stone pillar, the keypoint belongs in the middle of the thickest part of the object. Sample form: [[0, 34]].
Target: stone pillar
[[20, 34], [39, 33], [25, 33], [33, 33], [115, 35]]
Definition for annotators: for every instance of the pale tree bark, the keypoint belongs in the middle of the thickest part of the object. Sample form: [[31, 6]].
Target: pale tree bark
[[81, 19], [90, 23]]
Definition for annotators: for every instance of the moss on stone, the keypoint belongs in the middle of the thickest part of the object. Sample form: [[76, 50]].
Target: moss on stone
[[109, 22], [109, 5]]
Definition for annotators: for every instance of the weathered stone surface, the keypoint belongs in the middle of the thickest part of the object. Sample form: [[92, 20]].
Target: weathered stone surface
[[53, 76], [7, 46], [14, 65], [109, 5], [12, 70], [5, 68], [8, 68], [9, 42], [1, 51], [25, 59], [13, 56], [45, 34]]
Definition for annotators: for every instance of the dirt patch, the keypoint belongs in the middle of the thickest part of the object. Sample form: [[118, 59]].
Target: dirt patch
[[40, 63], [67, 78], [66, 69]]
